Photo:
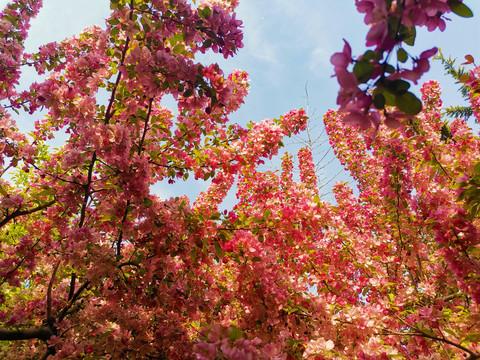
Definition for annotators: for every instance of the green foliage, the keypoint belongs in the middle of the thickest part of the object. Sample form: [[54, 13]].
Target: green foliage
[[395, 93], [402, 55], [445, 133], [464, 112], [460, 8], [363, 70], [470, 193], [408, 103], [456, 72]]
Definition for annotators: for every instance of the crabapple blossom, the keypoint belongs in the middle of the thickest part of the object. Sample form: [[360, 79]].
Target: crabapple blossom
[[95, 264], [372, 83]]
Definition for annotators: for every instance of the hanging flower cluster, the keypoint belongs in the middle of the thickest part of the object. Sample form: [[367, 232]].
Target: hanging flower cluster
[[380, 78]]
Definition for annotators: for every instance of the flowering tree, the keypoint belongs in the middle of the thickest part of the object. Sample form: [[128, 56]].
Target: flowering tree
[[92, 262], [390, 273], [94, 265]]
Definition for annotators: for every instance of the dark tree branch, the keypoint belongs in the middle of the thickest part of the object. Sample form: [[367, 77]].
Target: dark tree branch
[[72, 287], [145, 129], [49, 291], [43, 332], [18, 212], [70, 303], [87, 190]]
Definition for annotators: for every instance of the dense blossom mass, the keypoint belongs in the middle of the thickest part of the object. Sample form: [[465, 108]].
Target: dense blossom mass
[[95, 265]]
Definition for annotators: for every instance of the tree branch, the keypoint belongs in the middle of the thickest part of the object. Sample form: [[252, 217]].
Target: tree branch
[[18, 213], [43, 332], [420, 332], [74, 298], [72, 286], [87, 190], [49, 291]]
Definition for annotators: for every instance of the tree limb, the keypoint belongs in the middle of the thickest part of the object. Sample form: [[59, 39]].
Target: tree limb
[[43, 332], [18, 213]]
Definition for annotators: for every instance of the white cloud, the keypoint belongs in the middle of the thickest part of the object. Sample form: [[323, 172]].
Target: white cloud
[[319, 62], [285, 28], [257, 43], [59, 19]]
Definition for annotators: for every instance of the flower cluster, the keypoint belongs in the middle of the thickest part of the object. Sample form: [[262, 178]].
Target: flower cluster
[[14, 25], [229, 343], [472, 80], [228, 5], [372, 84], [408, 176]]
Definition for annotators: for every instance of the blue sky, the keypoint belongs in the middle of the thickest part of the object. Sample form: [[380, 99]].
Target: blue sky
[[288, 43]]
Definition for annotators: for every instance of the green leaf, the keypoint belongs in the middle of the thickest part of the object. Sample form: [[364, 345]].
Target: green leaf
[[215, 216], [369, 55], [114, 32], [472, 194], [402, 55], [379, 101], [396, 87], [410, 40], [235, 334], [207, 43], [194, 254], [461, 196], [363, 70], [147, 202], [473, 337], [448, 331], [236, 258], [419, 325], [205, 12], [477, 168], [408, 103], [460, 8], [218, 250], [177, 49], [389, 98], [188, 93], [224, 235]]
